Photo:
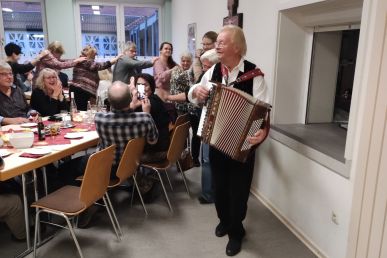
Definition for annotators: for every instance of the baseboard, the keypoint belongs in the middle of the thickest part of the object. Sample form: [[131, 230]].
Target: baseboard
[[289, 224]]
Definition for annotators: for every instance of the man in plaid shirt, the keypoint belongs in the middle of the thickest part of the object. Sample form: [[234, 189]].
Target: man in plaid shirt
[[122, 123]]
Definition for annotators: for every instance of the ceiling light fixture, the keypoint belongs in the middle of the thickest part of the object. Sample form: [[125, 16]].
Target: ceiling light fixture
[[97, 12], [8, 10], [95, 7]]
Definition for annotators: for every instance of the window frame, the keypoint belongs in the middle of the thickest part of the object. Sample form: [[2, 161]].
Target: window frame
[[44, 25], [120, 21]]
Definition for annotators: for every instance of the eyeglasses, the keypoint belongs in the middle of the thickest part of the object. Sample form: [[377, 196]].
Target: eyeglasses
[[7, 74], [220, 44]]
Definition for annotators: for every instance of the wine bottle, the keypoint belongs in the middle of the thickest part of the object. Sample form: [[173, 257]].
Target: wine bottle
[[41, 130], [73, 107]]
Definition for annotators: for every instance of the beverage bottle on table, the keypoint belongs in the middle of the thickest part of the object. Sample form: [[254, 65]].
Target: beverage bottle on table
[[41, 130], [73, 107]]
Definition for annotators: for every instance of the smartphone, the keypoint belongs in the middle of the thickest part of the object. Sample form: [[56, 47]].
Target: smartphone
[[141, 90]]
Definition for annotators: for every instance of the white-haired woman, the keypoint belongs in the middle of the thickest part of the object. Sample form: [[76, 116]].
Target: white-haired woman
[[48, 98]]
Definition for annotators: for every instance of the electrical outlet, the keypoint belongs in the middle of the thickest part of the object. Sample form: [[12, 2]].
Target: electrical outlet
[[334, 218]]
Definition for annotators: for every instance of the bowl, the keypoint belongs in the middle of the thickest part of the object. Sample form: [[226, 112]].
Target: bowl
[[21, 140]]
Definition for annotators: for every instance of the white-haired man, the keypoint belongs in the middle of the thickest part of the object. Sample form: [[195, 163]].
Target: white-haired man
[[231, 178]]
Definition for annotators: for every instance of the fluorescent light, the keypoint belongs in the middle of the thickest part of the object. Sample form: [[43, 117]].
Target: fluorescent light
[[95, 7], [8, 10], [38, 35], [97, 12]]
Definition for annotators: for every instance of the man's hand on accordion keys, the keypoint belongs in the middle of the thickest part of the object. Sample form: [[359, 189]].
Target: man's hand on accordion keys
[[258, 137], [201, 93]]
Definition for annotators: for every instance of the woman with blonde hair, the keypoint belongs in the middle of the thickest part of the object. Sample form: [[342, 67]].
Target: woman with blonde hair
[[85, 77], [53, 60], [48, 98], [105, 81]]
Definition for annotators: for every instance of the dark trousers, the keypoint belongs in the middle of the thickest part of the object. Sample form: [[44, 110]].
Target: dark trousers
[[195, 140], [81, 97], [231, 181]]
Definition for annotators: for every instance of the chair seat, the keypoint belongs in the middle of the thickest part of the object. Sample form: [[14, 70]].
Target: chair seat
[[164, 164], [65, 199]]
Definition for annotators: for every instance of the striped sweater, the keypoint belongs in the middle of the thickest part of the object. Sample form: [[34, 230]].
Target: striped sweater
[[85, 75]]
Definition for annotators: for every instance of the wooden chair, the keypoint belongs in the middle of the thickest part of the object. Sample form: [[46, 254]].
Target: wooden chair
[[182, 119], [70, 201], [130, 160], [175, 149]]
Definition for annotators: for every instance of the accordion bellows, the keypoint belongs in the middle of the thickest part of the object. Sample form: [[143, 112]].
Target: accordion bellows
[[230, 117]]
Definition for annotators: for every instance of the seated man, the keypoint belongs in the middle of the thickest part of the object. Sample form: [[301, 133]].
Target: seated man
[[11, 210], [122, 123], [14, 108], [116, 127]]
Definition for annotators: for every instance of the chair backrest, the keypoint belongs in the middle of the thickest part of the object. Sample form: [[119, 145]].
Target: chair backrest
[[182, 119], [97, 175], [130, 158], [177, 144]]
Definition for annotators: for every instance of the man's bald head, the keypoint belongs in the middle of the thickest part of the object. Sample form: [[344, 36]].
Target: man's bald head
[[119, 95]]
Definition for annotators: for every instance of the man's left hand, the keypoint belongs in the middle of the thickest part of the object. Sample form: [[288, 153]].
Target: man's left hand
[[258, 137]]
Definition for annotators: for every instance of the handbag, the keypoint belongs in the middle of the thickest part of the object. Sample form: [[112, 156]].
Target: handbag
[[185, 160]]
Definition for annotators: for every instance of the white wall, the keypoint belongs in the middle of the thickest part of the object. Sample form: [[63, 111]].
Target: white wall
[[299, 189]]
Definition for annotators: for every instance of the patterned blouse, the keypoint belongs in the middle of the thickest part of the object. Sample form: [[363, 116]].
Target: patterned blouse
[[181, 81]]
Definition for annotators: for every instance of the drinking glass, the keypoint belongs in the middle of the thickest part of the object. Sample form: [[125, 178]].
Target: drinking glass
[[33, 114]]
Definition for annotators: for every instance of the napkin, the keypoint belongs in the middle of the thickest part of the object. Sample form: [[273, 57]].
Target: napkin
[[32, 156]]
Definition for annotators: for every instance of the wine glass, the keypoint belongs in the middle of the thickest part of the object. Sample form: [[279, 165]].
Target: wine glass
[[33, 114]]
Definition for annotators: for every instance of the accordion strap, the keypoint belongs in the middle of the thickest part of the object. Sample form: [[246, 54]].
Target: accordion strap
[[248, 75]]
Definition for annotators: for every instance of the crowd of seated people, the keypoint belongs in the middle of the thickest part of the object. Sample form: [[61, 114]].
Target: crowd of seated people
[[131, 115]]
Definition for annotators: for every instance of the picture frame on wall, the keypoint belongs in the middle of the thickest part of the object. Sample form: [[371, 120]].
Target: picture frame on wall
[[191, 43], [236, 19]]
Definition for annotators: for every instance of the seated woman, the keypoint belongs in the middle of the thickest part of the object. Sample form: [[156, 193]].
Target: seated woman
[[158, 151], [47, 98]]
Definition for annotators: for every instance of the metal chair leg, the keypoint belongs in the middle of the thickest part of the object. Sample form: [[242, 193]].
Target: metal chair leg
[[165, 191], [170, 184], [72, 234], [139, 194], [113, 213], [111, 218], [184, 178]]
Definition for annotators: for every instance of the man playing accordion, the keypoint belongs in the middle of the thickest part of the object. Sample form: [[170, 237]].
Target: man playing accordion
[[232, 178]]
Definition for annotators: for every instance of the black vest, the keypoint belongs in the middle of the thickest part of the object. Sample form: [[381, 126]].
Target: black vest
[[246, 86]]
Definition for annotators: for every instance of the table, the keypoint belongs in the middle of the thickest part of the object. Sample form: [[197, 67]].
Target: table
[[16, 166]]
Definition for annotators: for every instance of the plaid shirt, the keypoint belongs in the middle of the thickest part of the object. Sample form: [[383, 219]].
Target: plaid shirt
[[118, 127]]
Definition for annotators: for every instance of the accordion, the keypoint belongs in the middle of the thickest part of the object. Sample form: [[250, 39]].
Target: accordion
[[230, 116]]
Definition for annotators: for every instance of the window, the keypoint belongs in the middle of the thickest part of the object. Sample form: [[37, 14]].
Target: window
[[331, 77], [23, 25], [101, 27], [141, 27], [315, 63]]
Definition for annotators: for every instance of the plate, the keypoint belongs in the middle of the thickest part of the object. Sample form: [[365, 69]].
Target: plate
[[27, 125], [38, 151], [4, 153], [73, 136], [67, 126]]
